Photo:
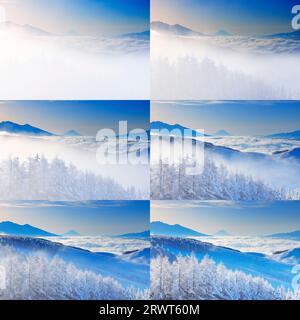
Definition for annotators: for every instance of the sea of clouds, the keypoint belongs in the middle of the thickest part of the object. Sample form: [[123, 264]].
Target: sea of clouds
[[216, 68], [73, 67], [264, 245], [254, 143], [103, 244]]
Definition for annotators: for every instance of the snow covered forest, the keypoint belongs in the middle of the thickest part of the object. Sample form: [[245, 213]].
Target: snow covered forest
[[186, 278], [216, 182], [37, 178], [36, 277]]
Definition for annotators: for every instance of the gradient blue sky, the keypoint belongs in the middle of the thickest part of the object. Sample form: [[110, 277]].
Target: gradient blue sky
[[88, 218], [87, 117], [236, 117], [237, 218], [92, 17], [245, 17]]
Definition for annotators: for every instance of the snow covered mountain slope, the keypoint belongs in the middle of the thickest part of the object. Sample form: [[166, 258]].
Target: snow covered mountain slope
[[255, 264], [138, 256], [290, 154], [26, 129], [128, 273], [290, 256]]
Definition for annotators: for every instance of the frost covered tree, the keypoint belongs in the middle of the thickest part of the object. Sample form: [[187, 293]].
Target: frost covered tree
[[38, 178], [186, 278]]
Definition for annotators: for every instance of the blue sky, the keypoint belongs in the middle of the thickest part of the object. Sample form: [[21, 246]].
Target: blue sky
[[89, 218], [254, 17], [237, 218], [87, 117], [236, 117], [95, 17]]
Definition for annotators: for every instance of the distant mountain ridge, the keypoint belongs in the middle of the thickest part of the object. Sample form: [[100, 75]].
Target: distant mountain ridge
[[294, 35], [164, 229], [286, 135], [159, 125], [26, 230], [176, 29], [289, 154], [180, 30], [145, 35], [222, 133], [138, 235], [294, 235], [26, 129], [223, 33], [26, 28], [72, 133], [71, 233], [222, 233]]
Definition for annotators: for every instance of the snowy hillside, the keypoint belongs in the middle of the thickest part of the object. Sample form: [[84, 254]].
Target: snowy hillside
[[257, 265], [232, 168], [291, 256], [128, 272], [293, 154]]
